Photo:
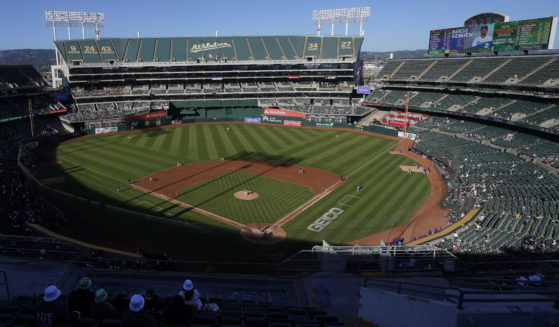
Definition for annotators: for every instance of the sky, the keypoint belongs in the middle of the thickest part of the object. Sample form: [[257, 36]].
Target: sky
[[394, 24]]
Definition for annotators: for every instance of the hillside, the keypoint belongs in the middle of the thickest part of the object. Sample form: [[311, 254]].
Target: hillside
[[40, 58]]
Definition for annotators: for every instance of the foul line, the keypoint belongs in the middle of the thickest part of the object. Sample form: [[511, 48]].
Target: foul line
[[191, 207], [95, 170], [82, 243], [305, 205], [319, 197], [373, 159]]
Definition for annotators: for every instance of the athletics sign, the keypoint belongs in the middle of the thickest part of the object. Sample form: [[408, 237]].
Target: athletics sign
[[209, 46]]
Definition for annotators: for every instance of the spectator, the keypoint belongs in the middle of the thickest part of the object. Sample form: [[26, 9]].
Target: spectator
[[176, 312], [137, 317], [190, 295], [153, 304], [101, 308], [80, 300], [49, 312]]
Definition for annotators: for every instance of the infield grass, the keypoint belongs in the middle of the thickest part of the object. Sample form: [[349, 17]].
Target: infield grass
[[94, 166], [275, 198]]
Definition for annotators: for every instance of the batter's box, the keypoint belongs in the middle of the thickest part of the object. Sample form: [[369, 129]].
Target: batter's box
[[155, 208], [348, 200]]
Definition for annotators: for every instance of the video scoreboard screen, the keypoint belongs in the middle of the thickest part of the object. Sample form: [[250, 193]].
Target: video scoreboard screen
[[532, 34]]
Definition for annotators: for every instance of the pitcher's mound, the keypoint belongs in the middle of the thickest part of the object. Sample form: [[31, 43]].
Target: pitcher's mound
[[245, 195], [267, 235]]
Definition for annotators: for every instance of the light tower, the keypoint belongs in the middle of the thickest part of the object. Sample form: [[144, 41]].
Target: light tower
[[69, 19], [341, 16], [74, 18]]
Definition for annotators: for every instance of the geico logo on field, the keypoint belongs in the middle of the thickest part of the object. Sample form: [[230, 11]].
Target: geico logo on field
[[328, 217]]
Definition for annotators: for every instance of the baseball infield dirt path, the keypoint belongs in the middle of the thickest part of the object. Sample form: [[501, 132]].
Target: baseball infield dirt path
[[172, 180], [166, 184], [429, 216]]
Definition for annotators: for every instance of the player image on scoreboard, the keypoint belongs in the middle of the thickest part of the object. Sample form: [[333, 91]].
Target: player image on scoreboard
[[483, 37]]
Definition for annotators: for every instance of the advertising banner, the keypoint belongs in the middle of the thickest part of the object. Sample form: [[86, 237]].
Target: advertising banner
[[292, 123], [472, 38], [272, 119], [283, 113], [363, 90], [61, 96], [57, 111], [149, 115], [504, 36], [407, 135], [324, 124], [103, 130], [253, 120], [371, 104]]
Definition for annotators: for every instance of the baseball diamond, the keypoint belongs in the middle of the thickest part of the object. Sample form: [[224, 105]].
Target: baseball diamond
[[298, 173]]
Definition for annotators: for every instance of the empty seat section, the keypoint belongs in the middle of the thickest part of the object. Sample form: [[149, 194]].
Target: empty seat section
[[131, 53], [163, 50], [147, 50], [225, 48], [425, 97], [241, 48], [525, 107], [286, 47], [329, 48], [312, 47], [454, 99], [73, 51], [478, 68], [273, 48], [89, 51], [550, 71], [178, 49], [60, 46], [345, 46], [545, 115], [516, 68], [106, 50], [389, 68], [411, 68], [443, 67], [486, 103], [120, 47], [257, 48], [298, 43]]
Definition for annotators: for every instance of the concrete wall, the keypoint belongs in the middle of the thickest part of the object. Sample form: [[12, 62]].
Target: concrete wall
[[388, 309]]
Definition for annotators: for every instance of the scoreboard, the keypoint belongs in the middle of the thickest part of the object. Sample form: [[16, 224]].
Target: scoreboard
[[532, 34]]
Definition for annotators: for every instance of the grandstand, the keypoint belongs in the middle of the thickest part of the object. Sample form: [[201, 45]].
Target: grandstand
[[105, 74]]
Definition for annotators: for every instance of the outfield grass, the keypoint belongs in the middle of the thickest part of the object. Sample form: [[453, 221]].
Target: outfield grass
[[94, 166], [275, 198]]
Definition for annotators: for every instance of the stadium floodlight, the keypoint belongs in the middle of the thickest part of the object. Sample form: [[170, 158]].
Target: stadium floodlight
[[74, 18], [341, 16]]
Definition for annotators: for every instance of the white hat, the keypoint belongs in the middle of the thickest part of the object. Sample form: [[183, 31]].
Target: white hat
[[51, 293], [187, 286], [136, 303]]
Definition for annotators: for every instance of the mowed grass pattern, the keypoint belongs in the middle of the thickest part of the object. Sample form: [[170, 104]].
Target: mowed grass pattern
[[275, 198], [95, 165]]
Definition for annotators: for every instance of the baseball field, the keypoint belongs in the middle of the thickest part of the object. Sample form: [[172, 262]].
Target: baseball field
[[221, 178]]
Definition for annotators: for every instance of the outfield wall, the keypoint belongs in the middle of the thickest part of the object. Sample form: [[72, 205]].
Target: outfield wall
[[244, 115]]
